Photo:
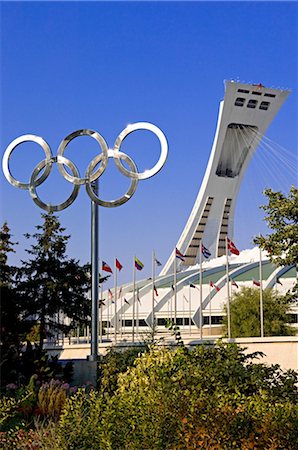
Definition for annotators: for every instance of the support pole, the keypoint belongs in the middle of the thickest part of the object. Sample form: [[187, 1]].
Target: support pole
[[228, 289], [201, 294], [94, 277], [261, 295]]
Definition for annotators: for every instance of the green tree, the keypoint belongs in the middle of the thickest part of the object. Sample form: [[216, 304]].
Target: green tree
[[51, 284], [245, 313], [282, 218], [11, 324]]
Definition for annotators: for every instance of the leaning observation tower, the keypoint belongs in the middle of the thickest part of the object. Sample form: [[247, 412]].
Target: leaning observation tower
[[244, 115]]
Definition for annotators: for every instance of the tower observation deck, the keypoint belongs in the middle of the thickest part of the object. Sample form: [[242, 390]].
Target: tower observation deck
[[244, 116]]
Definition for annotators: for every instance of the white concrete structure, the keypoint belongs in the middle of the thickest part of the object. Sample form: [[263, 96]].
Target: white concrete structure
[[244, 115]]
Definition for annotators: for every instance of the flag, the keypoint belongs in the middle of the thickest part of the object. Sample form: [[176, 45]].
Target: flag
[[118, 265], [256, 282], [232, 247], [172, 287], [279, 282], [106, 267], [102, 302], [138, 298], [205, 252], [179, 255], [155, 290], [158, 263], [138, 264], [214, 286], [234, 283], [192, 286], [111, 294], [120, 292], [126, 301]]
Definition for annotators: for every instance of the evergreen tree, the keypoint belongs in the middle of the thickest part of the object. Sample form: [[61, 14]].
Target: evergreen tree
[[51, 284], [245, 314], [11, 324]]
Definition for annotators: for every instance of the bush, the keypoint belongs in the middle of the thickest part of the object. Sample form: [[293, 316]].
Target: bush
[[211, 397]]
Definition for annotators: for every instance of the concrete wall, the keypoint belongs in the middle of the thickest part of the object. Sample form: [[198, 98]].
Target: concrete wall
[[278, 350]]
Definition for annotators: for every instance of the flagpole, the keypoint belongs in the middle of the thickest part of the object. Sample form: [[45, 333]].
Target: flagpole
[[108, 316], [183, 318], [137, 314], [133, 303], [261, 294], [189, 309], [175, 288], [153, 276], [120, 311], [201, 294], [101, 304], [115, 306], [228, 290], [209, 309]]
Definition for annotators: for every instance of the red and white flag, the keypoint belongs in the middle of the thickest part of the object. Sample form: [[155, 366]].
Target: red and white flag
[[256, 282], [111, 294], [234, 283], [106, 267], [232, 248], [214, 286]]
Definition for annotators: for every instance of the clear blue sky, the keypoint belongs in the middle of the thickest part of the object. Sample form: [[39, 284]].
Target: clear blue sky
[[102, 65]]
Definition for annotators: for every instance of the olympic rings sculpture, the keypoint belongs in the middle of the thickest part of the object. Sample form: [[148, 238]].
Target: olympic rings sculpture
[[43, 169]]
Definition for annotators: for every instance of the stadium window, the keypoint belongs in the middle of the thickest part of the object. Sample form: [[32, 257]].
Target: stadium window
[[239, 101], [264, 105], [252, 103]]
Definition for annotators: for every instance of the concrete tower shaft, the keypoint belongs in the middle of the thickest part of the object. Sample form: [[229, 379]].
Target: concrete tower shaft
[[244, 115]]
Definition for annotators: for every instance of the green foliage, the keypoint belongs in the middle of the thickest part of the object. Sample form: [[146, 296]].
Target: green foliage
[[171, 326], [50, 283], [245, 314], [114, 363], [282, 218], [210, 397]]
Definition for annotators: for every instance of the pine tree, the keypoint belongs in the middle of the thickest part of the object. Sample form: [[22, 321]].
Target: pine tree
[[51, 284], [11, 324]]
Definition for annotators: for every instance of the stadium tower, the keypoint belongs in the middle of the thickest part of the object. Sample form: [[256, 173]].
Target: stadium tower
[[244, 115]]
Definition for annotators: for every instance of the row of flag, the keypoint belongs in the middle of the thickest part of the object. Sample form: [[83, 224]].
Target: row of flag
[[139, 265], [206, 253]]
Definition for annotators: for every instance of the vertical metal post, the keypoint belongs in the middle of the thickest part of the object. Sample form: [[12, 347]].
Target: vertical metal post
[[261, 295], [94, 277], [228, 290], [201, 294]]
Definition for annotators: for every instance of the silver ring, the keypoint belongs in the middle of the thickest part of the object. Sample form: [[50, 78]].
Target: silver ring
[[104, 159], [127, 195], [163, 154], [33, 184], [13, 145], [90, 176]]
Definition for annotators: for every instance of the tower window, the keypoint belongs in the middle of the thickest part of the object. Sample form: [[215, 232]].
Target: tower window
[[264, 105], [257, 93], [269, 95], [244, 91], [239, 101], [252, 103]]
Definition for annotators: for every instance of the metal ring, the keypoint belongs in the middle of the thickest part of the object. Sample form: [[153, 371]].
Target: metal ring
[[13, 145], [104, 159], [33, 184], [163, 154], [127, 195]]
